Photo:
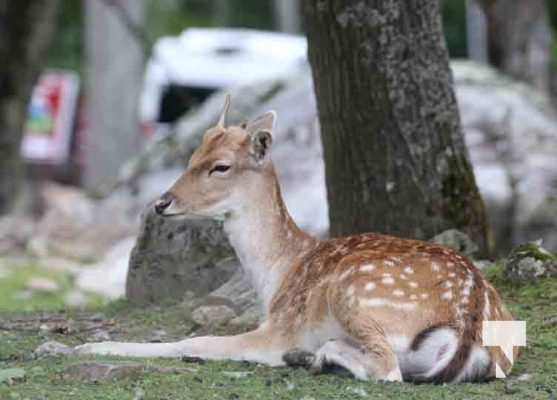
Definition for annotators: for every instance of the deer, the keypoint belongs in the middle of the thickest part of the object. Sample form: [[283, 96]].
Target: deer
[[381, 307]]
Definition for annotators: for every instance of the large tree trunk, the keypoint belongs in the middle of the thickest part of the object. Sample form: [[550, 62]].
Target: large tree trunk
[[25, 30], [393, 146], [519, 37]]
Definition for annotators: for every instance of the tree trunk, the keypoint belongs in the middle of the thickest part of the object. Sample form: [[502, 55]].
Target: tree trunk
[[113, 74], [25, 30], [476, 31], [393, 146], [287, 15], [519, 37]]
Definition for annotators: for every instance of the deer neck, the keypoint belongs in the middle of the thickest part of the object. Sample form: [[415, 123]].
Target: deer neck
[[266, 239]]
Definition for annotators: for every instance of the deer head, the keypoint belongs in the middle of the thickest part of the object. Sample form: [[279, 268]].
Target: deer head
[[223, 171]]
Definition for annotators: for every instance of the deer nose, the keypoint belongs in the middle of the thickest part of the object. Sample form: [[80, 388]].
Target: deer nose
[[163, 203]]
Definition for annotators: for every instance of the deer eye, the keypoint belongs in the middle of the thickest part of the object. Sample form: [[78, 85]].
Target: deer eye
[[220, 168]]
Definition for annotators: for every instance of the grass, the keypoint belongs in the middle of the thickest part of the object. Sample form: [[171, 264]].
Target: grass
[[51, 378], [15, 297]]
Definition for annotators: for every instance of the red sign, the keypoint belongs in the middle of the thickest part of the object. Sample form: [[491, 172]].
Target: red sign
[[50, 118]]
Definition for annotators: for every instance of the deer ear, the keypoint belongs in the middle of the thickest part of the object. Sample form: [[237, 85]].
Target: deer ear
[[264, 122], [260, 146]]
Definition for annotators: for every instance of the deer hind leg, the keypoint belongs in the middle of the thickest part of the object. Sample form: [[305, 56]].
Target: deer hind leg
[[368, 356]]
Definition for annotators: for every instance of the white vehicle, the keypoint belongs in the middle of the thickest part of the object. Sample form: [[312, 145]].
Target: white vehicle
[[184, 70]]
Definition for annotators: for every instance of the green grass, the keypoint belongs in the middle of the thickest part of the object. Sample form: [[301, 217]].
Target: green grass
[[534, 302], [13, 282]]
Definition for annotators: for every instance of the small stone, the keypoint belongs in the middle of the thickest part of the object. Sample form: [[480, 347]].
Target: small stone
[[358, 391], [456, 240], [42, 284], [249, 320], [52, 349], [75, 299], [94, 371], [100, 336], [530, 261], [157, 336], [237, 374], [11, 375], [211, 316]]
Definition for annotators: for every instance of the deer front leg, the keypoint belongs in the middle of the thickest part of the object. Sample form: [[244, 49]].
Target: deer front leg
[[260, 346]]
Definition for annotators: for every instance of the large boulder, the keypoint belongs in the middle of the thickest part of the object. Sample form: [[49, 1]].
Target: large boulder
[[177, 259]]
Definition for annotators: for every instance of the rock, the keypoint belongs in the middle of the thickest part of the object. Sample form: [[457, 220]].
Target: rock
[[456, 240], [78, 227], [42, 284], [237, 374], [75, 299], [52, 348], [530, 261], [107, 278], [100, 336], [95, 371], [15, 231], [11, 374], [157, 336], [212, 316], [172, 257], [239, 291], [247, 321]]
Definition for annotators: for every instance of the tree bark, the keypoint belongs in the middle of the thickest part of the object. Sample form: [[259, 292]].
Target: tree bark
[[26, 27], [393, 146], [519, 39], [113, 75]]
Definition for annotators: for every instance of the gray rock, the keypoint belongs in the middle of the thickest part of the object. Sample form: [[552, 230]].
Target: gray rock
[[530, 261], [52, 348], [42, 284], [75, 299], [247, 321], [212, 316], [456, 240], [95, 371], [172, 257]]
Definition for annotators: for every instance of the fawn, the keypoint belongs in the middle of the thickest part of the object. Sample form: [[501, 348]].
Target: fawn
[[382, 307]]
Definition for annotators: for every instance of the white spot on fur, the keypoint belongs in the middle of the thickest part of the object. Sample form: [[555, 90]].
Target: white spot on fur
[[389, 263], [413, 284], [451, 275], [345, 274], [447, 284], [367, 267], [403, 277], [351, 290], [448, 295], [487, 307], [376, 302], [398, 293], [424, 295], [409, 270], [435, 267], [370, 286], [387, 279]]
